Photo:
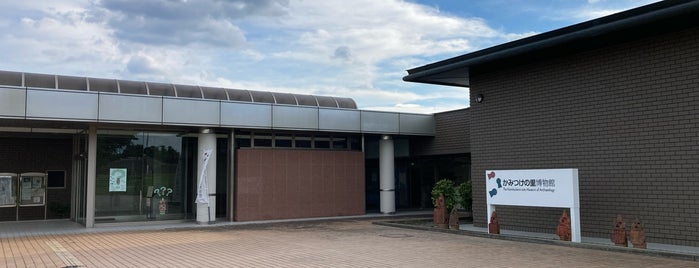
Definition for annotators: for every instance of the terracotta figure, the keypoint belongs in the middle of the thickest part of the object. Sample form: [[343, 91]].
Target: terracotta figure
[[440, 213], [637, 234], [563, 229], [454, 219], [494, 226], [619, 232]]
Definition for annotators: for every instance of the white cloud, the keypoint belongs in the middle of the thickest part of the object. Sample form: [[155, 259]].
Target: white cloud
[[594, 9], [206, 22], [593, 13], [516, 36], [378, 30], [57, 38], [418, 109], [356, 49]]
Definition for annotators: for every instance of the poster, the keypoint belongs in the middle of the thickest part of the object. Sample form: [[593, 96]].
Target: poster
[[36, 182], [26, 189], [117, 180], [6, 196]]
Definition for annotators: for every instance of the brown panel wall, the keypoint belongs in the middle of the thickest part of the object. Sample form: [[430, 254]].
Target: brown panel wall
[[451, 135], [37, 153], [285, 184], [625, 116]]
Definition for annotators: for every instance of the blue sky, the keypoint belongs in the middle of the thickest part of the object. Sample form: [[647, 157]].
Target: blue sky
[[358, 49]]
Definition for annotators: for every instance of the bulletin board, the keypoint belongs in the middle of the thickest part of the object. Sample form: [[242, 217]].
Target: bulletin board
[[32, 189], [8, 189]]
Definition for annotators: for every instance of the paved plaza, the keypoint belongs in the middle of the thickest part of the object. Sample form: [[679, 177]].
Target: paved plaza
[[348, 243]]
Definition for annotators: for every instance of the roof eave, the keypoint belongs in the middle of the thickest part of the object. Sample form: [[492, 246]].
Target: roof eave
[[586, 30]]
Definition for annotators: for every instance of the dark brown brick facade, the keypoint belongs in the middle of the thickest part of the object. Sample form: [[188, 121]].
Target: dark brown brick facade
[[37, 153], [624, 115], [451, 135], [285, 184]]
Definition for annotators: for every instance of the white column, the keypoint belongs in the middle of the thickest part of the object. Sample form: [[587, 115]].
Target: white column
[[91, 177], [207, 141], [387, 179]]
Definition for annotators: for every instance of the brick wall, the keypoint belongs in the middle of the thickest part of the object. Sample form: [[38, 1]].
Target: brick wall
[[37, 153], [452, 135], [284, 184], [625, 116]]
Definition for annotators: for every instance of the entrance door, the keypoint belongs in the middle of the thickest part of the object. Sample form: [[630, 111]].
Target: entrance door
[[79, 178], [142, 176]]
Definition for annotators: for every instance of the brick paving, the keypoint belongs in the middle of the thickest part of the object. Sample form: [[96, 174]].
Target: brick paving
[[350, 243]]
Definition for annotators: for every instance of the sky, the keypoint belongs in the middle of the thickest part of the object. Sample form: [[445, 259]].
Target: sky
[[349, 48]]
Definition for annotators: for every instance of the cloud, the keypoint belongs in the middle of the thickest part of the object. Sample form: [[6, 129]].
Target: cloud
[[417, 108], [182, 22], [592, 9], [56, 36], [356, 49], [342, 53], [142, 64], [378, 30]]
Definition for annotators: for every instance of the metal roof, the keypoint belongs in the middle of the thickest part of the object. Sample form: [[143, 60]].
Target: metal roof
[[50, 81], [28, 100], [653, 19]]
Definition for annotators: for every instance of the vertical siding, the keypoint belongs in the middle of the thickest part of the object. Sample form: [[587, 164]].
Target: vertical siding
[[284, 184], [624, 115]]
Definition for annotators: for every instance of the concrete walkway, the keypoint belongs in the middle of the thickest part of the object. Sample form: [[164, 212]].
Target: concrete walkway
[[337, 243], [605, 242]]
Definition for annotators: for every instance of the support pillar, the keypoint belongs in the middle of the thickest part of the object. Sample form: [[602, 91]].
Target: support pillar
[[387, 179], [206, 213], [91, 177], [231, 176]]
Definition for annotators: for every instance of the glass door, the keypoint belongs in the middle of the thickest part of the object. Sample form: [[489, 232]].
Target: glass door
[[79, 183], [164, 181], [142, 176]]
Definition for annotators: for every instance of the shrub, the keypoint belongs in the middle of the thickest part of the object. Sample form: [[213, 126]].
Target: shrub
[[464, 192], [446, 188]]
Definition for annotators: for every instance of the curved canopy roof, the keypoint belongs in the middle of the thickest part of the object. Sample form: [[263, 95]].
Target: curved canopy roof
[[20, 79]]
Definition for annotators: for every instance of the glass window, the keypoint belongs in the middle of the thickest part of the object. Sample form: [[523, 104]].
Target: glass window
[[321, 142], [283, 140], [143, 176], [262, 140], [243, 141], [355, 143], [56, 179], [303, 141], [339, 142]]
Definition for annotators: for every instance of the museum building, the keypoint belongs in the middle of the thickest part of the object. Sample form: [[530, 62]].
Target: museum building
[[97, 150], [615, 98]]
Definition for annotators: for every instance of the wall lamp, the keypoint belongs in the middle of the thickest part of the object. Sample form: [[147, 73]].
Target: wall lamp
[[479, 98]]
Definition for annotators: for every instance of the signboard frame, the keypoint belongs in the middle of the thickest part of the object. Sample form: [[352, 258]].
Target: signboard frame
[[32, 187], [535, 188], [8, 189]]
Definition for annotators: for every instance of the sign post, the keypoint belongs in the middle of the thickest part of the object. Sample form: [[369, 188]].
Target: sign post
[[536, 188]]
